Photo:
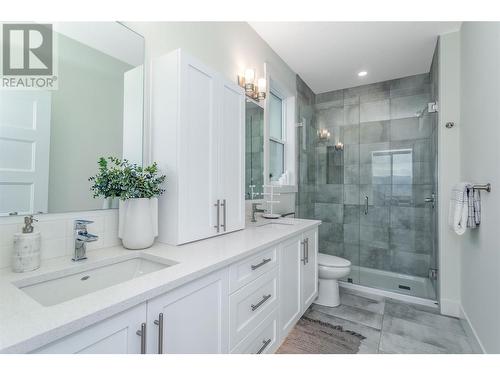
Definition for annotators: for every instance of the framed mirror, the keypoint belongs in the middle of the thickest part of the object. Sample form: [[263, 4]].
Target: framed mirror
[[254, 154], [51, 139]]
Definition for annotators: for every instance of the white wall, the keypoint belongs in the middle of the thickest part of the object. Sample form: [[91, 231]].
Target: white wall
[[480, 162], [228, 47], [449, 170]]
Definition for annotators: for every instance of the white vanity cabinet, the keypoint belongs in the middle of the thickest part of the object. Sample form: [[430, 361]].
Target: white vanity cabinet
[[191, 319], [248, 306], [290, 283], [309, 269], [198, 140], [115, 335], [298, 278]]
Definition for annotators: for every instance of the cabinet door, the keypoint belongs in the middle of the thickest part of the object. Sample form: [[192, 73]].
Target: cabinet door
[[231, 137], [290, 271], [197, 160], [116, 335], [194, 318], [309, 269]]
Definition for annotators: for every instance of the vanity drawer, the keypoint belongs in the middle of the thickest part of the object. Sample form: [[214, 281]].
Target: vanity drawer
[[249, 305], [263, 339], [251, 268]]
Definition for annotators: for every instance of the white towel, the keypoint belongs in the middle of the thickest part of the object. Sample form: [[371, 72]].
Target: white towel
[[459, 208]]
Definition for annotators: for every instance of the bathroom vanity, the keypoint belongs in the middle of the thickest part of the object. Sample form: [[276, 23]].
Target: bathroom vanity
[[238, 293]]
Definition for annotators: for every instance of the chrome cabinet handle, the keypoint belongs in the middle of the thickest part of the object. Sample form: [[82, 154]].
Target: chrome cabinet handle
[[366, 204], [142, 333], [303, 259], [263, 300], [307, 250], [159, 323], [217, 205], [263, 347], [224, 214], [264, 261]]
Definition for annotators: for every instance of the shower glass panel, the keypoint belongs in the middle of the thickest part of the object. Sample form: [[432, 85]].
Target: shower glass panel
[[369, 180]]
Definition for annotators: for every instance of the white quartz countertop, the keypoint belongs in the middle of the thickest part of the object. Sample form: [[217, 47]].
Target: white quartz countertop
[[26, 325]]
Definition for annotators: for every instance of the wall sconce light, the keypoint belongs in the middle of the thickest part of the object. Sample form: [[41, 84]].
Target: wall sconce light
[[261, 88], [339, 146], [252, 90], [323, 134], [249, 81]]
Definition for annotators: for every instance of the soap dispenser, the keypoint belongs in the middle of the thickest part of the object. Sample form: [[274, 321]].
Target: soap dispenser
[[26, 256]]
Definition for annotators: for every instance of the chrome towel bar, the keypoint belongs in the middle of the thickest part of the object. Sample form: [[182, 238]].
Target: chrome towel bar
[[486, 187]]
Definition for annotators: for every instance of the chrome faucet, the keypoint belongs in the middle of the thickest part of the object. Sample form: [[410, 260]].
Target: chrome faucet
[[255, 210], [81, 238]]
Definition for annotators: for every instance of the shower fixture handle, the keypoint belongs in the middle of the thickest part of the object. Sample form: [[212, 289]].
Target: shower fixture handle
[[366, 204]]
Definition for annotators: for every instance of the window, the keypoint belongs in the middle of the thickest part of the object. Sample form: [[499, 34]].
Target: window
[[276, 138]]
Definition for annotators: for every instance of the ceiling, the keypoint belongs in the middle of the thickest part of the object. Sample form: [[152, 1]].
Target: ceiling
[[329, 55]]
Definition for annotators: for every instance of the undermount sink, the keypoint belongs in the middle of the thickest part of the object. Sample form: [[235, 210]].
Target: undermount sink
[[56, 288], [272, 223]]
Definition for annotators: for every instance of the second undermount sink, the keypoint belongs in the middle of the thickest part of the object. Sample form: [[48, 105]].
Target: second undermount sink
[[56, 288], [278, 222]]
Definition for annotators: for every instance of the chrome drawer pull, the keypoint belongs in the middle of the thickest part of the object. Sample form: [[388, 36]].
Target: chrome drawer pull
[[303, 260], [307, 250], [264, 261], [159, 323], [142, 334], [263, 300], [217, 206], [224, 214], [266, 343]]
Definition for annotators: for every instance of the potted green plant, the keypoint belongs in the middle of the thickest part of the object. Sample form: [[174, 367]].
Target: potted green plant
[[138, 189]]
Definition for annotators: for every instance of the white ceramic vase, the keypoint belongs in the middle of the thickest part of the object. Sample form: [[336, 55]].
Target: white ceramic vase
[[138, 222]]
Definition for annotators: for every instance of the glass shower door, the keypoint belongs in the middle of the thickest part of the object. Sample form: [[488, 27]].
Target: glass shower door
[[396, 226]]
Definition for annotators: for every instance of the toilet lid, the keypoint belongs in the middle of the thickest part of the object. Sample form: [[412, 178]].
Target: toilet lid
[[332, 261]]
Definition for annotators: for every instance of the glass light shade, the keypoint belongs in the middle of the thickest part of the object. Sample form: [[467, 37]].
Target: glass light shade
[[249, 75], [261, 84]]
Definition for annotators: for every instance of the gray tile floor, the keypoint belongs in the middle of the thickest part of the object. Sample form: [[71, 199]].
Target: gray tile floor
[[392, 326]]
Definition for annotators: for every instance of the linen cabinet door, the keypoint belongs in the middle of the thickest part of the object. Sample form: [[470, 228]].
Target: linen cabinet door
[[191, 319], [232, 156], [197, 161], [290, 285], [309, 274]]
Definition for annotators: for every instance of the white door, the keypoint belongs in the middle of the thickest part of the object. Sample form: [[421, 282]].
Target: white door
[[198, 151], [194, 318], [24, 151], [290, 270], [309, 274], [231, 137], [116, 335]]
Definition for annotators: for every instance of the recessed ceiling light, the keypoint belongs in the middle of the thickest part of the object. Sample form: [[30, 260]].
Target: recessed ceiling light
[[362, 73]]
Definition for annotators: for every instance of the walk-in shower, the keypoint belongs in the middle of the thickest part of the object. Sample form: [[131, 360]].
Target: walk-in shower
[[373, 180]]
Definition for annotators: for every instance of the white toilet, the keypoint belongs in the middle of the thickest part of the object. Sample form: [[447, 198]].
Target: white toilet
[[330, 270]]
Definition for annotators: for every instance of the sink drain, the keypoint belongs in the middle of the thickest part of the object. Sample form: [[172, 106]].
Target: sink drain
[[85, 278]]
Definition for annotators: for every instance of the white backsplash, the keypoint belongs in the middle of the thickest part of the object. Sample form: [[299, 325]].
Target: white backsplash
[[57, 233]]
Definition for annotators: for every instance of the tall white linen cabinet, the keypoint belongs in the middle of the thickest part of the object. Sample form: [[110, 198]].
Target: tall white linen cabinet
[[198, 141]]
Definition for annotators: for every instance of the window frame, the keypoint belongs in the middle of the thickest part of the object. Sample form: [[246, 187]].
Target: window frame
[[282, 141], [287, 96]]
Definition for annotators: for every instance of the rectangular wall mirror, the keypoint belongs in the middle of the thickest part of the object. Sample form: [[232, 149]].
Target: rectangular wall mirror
[[50, 140], [254, 156]]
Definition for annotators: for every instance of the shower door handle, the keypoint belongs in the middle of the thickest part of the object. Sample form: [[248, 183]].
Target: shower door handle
[[366, 204]]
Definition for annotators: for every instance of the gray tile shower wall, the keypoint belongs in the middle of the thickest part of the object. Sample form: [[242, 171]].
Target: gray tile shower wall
[[389, 156]]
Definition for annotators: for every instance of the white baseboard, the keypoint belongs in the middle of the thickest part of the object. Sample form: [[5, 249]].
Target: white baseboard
[[385, 293], [450, 307], [471, 332]]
